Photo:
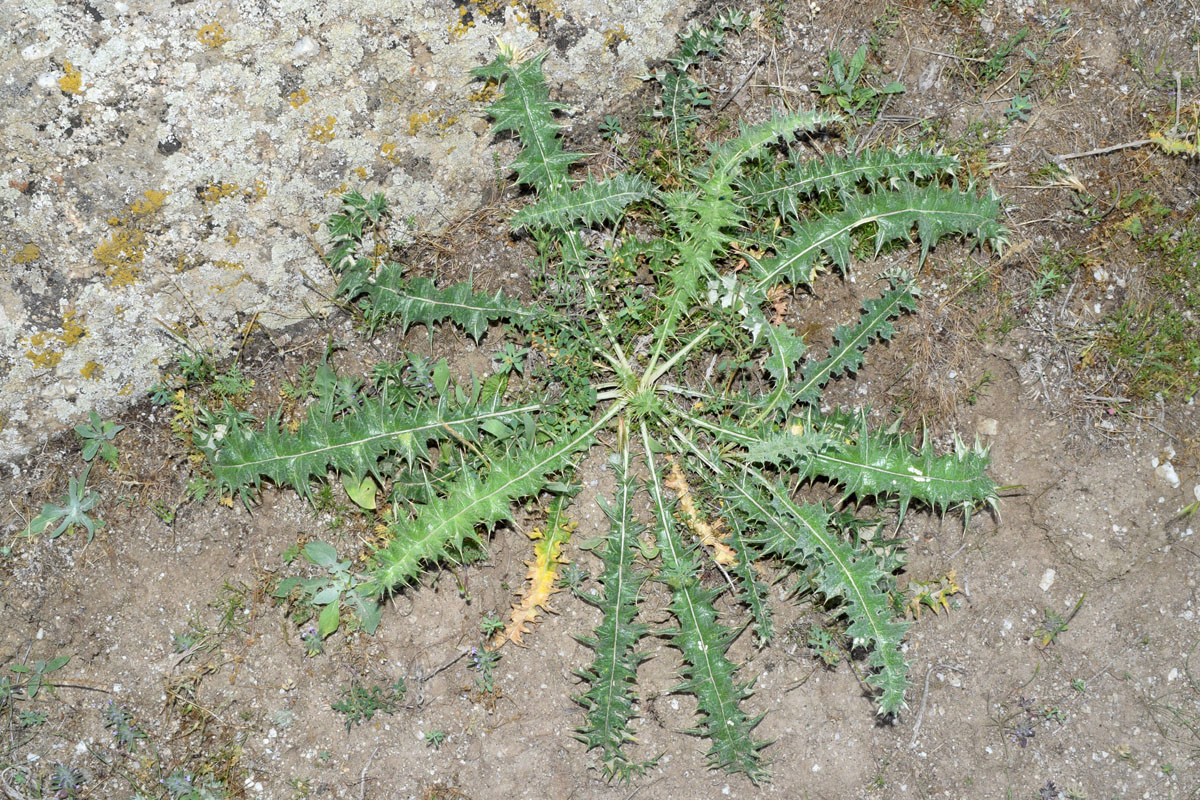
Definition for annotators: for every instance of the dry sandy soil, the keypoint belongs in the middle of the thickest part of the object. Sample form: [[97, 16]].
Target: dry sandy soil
[[1065, 666]]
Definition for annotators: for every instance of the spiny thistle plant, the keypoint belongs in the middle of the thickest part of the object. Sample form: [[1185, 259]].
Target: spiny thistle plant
[[664, 339]]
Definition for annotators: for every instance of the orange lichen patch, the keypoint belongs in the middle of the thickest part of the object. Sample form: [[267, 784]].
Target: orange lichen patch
[[523, 11], [153, 202], [534, 598], [126, 390], [298, 98], [360, 172], [486, 93], [438, 118], [91, 370], [388, 151], [30, 252], [336, 191], [710, 536], [216, 192], [72, 80], [231, 237], [212, 35], [322, 132], [120, 254], [46, 348], [72, 331], [464, 23], [615, 36]]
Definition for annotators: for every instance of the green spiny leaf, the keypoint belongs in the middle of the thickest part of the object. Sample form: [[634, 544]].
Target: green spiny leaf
[[707, 673], [801, 537], [351, 444], [840, 177], [526, 109], [417, 301], [440, 530], [935, 212], [609, 702], [592, 203], [850, 341]]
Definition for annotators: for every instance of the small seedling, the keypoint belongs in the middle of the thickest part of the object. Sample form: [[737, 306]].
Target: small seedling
[[359, 704], [37, 679], [610, 128], [125, 732], [67, 781], [484, 661], [97, 436], [1019, 108], [329, 592], [73, 510], [182, 785], [434, 738], [28, 718], [1053, 625], [510, 359], [822, 644], [842, 82], [490, 626]]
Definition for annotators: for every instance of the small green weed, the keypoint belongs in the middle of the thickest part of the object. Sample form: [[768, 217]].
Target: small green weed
[[328, 593], [36, 676], [1054, 625], [97, 436], [358, 704], [844, 83], [610, 128], [70, 511], [434, 738]]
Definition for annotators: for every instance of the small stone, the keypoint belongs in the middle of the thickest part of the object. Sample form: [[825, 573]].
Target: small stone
[[989, 426], [1165, 472], [307, 46], [1047, 579]]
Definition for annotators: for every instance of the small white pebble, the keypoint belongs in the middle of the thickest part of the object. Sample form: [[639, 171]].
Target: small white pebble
[[1047, 580], [307, 46]]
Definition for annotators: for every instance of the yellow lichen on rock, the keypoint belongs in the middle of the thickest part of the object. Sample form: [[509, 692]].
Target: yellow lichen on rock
[[322, 132], [212, 35], [439, 118], [153, 202], [298, 98], [72, 80], [120, 254], [216, 192], [92, 370], [30, 252], [46, 348]]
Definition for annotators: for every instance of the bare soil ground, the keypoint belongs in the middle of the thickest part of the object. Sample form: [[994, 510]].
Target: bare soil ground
[[1065, 666]]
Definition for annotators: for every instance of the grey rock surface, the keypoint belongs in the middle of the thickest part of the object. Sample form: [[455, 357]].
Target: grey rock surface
[[164, 163]]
